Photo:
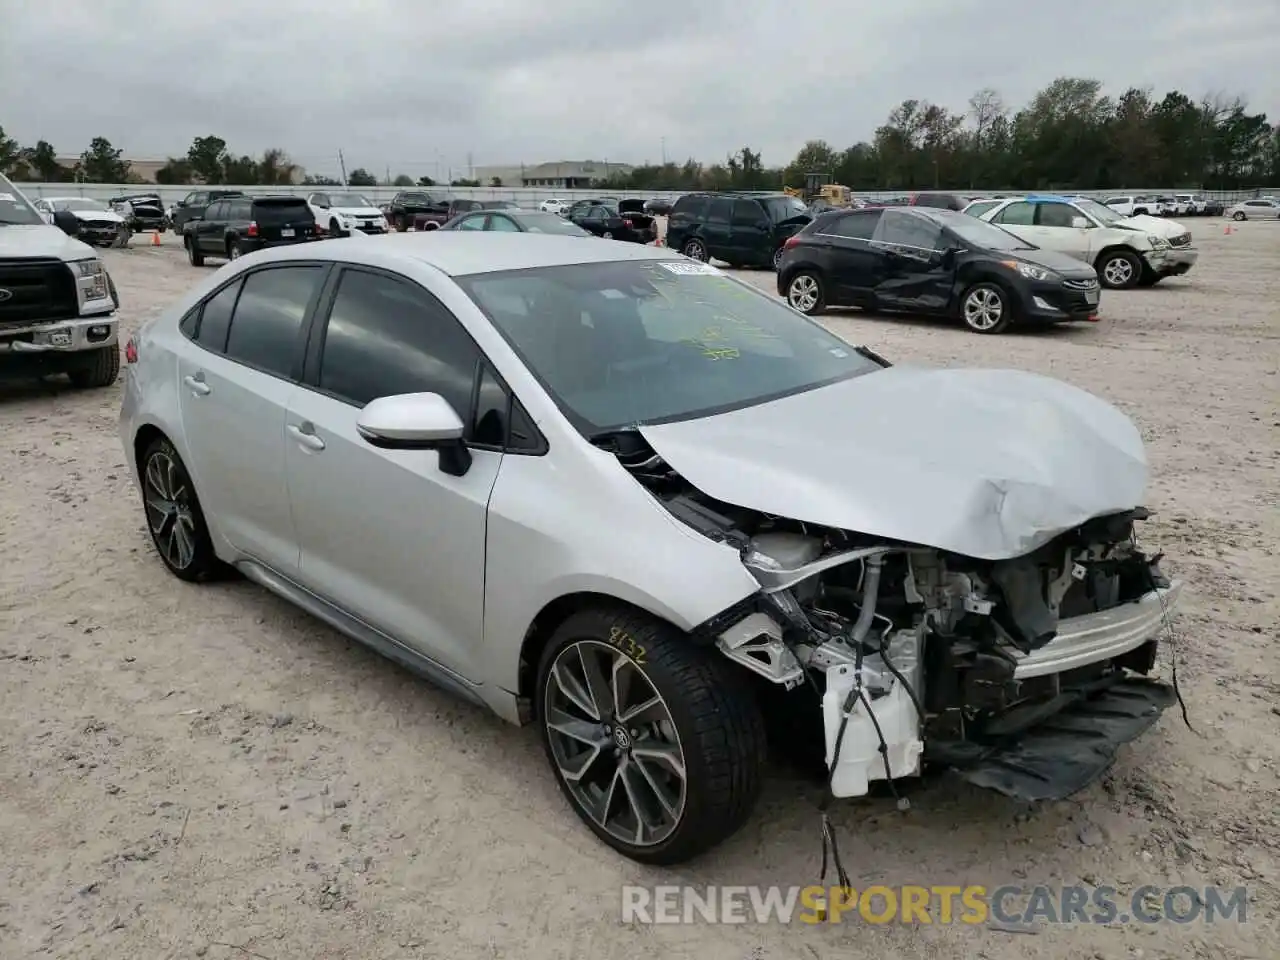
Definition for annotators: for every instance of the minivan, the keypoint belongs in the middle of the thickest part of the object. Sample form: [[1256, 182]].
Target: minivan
[[740, 229]]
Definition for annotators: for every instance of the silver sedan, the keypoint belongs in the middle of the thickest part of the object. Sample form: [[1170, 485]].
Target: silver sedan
[[617, 492]]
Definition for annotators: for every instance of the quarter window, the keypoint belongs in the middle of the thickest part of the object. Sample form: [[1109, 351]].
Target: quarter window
[[267, 326], [855, 226], [387, 336], [215, 320]]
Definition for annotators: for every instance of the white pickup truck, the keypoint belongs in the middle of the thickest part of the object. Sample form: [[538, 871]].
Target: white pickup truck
[[1126, 251], [57, 301]]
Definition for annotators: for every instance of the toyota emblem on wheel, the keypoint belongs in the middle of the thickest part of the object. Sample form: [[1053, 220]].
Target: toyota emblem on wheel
[[5, 294]]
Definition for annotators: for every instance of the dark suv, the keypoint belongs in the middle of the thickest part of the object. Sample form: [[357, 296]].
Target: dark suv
[[742, 229], [238, 225], [195, 203]]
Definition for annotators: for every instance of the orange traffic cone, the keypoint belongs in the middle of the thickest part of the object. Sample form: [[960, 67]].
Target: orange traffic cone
[[155, 239]]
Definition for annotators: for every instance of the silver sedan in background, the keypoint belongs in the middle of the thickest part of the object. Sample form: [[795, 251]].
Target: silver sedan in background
[[617, 492]]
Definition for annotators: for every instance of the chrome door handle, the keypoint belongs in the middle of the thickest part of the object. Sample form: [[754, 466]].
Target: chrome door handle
[[197, 386], [306, 437]]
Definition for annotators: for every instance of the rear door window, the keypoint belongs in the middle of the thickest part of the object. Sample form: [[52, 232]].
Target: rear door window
[[746, 213], [1019, 214], [855, 226], [721, 210], [266, 329]]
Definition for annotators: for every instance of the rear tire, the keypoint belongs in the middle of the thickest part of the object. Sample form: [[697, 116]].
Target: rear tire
[[695, 249], [688, 767], [233, 250], [805, 293], [194, 256], [335, 229], [99, 368], [777, 260], [169, 500], [1239, 215]]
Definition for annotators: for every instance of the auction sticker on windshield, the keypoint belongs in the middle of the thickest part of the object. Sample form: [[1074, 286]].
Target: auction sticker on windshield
[[690, 269]]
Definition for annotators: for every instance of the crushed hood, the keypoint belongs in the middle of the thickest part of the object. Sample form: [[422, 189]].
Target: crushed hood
[[990, 464], [100, 215], [1160, 226], [42, 240]]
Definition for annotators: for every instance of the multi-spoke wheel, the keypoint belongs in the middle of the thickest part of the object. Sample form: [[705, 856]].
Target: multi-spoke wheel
[[986, 309], [805, 293], [174, 518], [657, 744]]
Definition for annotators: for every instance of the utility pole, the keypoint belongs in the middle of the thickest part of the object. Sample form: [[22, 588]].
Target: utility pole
[[664, 151], [471, 167], [342, 165], [388, 174]]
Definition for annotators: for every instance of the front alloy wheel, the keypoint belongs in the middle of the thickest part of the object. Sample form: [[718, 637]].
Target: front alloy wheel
[[657, 744], [985, 309], [695, 250]]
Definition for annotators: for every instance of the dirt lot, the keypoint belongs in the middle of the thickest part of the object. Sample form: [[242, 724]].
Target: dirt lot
[[190, 771]]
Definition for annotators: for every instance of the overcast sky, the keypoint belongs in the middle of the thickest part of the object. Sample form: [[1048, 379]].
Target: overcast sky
[[409, 85]]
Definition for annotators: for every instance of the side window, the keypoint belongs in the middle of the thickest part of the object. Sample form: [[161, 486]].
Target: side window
[[694, 208], [597, 212], [1020, 214], [266, 328], [913, 235], [217, 210], [197, 198], [721, 210], [1055, 214], [470, 223], [746, 213], [321, 200], [387, 336], [502, 224], [215, 320], [855, 226]]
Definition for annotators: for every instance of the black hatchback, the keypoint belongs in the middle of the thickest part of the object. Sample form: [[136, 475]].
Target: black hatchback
[[238, 225], [924, 260]]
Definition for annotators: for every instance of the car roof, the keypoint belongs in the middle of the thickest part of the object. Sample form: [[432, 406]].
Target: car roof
[[460, 253]]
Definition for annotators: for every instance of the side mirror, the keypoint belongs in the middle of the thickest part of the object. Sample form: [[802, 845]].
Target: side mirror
[[67, 222], [1080, 223], [416, 421]]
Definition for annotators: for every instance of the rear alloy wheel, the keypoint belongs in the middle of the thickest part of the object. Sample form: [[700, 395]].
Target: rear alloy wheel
[[1238, 215], [657, 744], [607, 235], [804, 293], [1119, 270], [777, 260], [174, 518], [985, 309], [233, 250], [695, 250]]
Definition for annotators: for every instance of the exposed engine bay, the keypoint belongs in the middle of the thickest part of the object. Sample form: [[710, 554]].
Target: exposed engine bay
[[1023, 674]]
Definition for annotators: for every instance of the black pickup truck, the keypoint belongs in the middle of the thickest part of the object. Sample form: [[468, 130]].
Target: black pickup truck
[[407, 205]]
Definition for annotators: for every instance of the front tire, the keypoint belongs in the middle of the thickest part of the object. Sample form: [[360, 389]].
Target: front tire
[[986, 308], [335, 229], [1119, 270], [402, 223], [99, 368], [777, 260], [174, 518], [805, 293], [1239, 215], [194, 256], [658, 745]]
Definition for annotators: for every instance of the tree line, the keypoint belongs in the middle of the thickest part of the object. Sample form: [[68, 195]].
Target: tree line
[[1069, 136]]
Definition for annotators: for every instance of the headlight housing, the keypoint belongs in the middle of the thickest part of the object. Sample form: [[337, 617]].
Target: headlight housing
[[1032, 272], [1157, 243], [91, 279]]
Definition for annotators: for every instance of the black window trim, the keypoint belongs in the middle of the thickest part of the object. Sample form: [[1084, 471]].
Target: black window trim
[[317, 328], [304, 333]]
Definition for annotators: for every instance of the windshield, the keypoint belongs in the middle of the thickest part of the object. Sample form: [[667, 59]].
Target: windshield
[[1100, 212], [784, 208], [550, 223], [983, 234], [349, 200], [78, 203], [647, 341], [14, 208]]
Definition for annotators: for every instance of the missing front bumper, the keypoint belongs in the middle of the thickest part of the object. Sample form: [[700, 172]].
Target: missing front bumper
[[1065, 753]]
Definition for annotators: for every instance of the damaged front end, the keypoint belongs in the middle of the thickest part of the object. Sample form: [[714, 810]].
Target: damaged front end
[[1024, 675]]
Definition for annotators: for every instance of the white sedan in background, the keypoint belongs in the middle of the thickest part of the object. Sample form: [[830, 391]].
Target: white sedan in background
[[555, 205], [1263, 209]]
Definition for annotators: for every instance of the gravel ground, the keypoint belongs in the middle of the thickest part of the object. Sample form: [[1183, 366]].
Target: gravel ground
[[205, 771]]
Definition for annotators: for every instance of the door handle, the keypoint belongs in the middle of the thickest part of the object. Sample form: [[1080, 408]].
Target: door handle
[[197, 385], [305, 434]]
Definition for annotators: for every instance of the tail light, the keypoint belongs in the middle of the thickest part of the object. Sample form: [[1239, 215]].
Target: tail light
[[253, 228], [131, 351], [791, 241], [626, 222]]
